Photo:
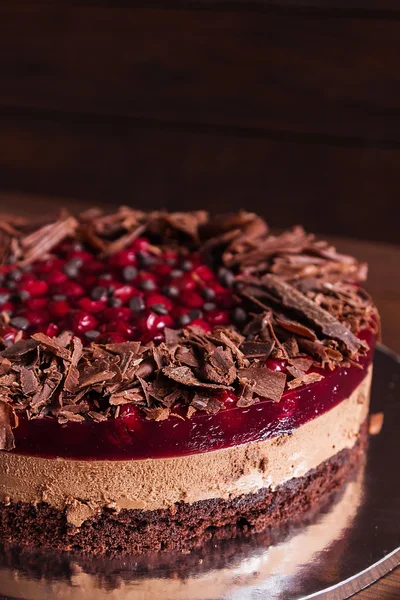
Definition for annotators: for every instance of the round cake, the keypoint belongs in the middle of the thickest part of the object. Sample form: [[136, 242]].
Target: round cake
[[167, 378]]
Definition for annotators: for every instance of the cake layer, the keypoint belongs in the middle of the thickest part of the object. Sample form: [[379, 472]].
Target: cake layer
[[84, 488], [183, 526]]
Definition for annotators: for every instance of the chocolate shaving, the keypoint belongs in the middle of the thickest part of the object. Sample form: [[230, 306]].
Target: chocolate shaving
[[8, 422], [185, 376], [29, 381], [257, 349], [304, 379], [264, 382], [52, 345]]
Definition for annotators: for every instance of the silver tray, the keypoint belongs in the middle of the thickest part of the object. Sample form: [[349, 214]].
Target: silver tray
[[345, 547]]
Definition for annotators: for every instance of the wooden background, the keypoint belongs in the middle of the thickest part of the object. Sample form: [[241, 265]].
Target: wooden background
[[289, 107]]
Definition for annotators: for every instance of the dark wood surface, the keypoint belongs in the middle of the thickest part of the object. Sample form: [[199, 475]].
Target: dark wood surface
[[290, 104]]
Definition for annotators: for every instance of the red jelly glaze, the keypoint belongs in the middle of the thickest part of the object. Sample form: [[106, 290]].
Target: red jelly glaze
[[131, 436]]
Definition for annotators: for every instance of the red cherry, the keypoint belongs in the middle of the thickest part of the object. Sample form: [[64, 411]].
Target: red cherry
[[155, 298], [82, 321], [47, 266], [8, 334], [162, 270], [141, 244], [8, 306], [205, 273], [92, 266], [117, 313], [35, 303], [91, 306], [123, 258], [56, 277], [192, 299], [119, 327], [111, 338], [71, 289], [51, 329], [59, 308], [218, 317], [184, 282], [202, 324], [82, 254], [228, 397], [125, 292], [36, 317], [153, 323], [35, 287], [275, 364]]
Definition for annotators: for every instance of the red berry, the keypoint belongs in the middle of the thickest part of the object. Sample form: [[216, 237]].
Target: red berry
[[51, 329], [56, 277], [36, 317], [228, 398], [184, 282], [35, 287], [92, 266], [82, 321], [119, 327], [275, 364], [125, 292], [82, 254], [123, 258], [8, 334], [202, 324], [155, 298], [35, 303], [205, 273], [91, 306], [154, 323], [111, 338], [161, 270], [218, 317], [59, 308], [140, 244], [117, 313], [47, 266], [191, 299], [71, 289], [8, 306]]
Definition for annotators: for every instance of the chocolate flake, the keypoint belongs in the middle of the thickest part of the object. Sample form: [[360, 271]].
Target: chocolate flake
[[264, 382], [8, 422], [304, 379]]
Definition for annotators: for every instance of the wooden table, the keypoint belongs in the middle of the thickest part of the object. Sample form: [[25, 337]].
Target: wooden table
[[383, 284]]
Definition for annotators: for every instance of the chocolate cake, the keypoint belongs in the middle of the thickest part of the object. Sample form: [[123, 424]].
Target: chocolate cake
[[170, 377]]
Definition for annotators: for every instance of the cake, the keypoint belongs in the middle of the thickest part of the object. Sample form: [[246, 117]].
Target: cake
[[169, 378]]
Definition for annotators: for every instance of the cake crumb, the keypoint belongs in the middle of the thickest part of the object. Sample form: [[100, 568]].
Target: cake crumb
[[375, 423]]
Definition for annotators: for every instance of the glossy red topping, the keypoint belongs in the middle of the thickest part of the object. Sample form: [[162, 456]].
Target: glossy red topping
[[131, 436]]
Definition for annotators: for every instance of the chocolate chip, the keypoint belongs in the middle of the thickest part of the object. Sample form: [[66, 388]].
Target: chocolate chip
[[4, 297], [145, 259], [226, 277], [22, 295], [195, 314], [71, 268], [187, 265], [12, 285], [129, 273], [171, 262], [209, 306], [171, 291], [92, 334], [239, 315], [19, 323], [137, 304], [15, 275], [107, 276], [147, 285], [115, 302], [59, 297], [184, 320], [98, 292], [159, 309], [176, 273], [207, 293]]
